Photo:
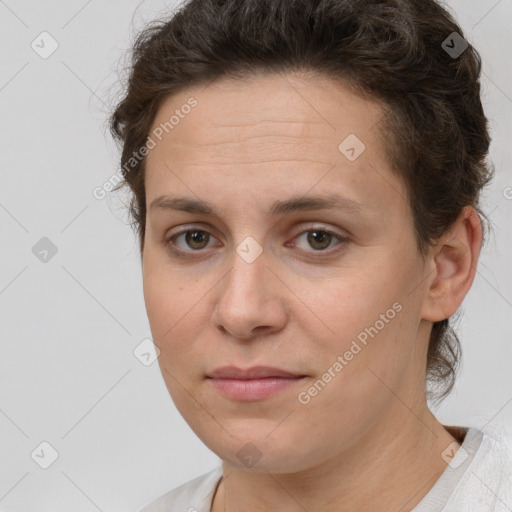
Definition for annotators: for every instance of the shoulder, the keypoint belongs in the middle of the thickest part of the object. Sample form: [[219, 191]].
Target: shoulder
[[487, 482], [192, 496]]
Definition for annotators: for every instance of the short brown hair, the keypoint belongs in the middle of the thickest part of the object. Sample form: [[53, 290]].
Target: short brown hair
[[391, 50]]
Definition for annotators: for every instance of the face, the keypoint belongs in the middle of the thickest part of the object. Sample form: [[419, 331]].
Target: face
[[298, 253]]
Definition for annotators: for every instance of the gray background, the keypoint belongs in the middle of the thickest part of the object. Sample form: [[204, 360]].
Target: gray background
[[68, 375]]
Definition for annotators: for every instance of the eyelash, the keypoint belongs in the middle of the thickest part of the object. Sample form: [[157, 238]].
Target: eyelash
[[169, 243]]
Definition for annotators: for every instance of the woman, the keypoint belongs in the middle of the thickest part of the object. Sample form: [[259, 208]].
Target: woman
[[306, 179]]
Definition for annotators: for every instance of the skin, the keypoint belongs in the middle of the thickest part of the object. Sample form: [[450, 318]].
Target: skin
[[367, 440]]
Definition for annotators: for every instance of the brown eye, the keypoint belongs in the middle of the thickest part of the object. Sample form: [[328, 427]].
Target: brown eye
[[194, 241], [197, 239], [319, 239]]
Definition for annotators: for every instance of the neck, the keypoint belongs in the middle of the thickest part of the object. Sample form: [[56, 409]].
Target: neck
[[391, 468]]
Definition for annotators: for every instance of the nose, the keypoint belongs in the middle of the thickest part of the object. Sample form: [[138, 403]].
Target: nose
[[250, 300]]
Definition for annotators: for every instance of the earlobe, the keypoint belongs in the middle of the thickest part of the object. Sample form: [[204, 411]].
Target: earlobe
[[454, 258]]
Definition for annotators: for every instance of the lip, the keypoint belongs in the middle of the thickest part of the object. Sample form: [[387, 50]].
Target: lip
[[256, 383], [255, 372]]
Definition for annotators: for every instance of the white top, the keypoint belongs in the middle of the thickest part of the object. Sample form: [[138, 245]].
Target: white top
[[478, 478]]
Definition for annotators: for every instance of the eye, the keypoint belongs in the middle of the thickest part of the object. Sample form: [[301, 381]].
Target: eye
[[188, 241], [320, 239], [195, 239]]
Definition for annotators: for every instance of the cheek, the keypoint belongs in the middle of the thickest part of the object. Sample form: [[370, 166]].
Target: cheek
[[343, 305], [160, 297], [365, 316], [356, 366], [166, 304], [168, 293], [178, 309]]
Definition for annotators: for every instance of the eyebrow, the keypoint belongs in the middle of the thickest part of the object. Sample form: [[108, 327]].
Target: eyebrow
[[294, 204]]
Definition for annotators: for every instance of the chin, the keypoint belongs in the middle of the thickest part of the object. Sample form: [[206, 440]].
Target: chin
[[257, 451]]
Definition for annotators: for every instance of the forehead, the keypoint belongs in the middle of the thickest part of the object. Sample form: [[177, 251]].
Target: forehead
[[270, 134], [269, 105]]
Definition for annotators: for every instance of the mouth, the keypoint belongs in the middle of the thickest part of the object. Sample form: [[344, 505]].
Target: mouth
[[252, 384]]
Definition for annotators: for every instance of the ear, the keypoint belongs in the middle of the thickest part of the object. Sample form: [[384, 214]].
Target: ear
[[454, 259]]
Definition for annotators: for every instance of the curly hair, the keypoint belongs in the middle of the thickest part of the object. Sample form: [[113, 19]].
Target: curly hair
[[395, 51]]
